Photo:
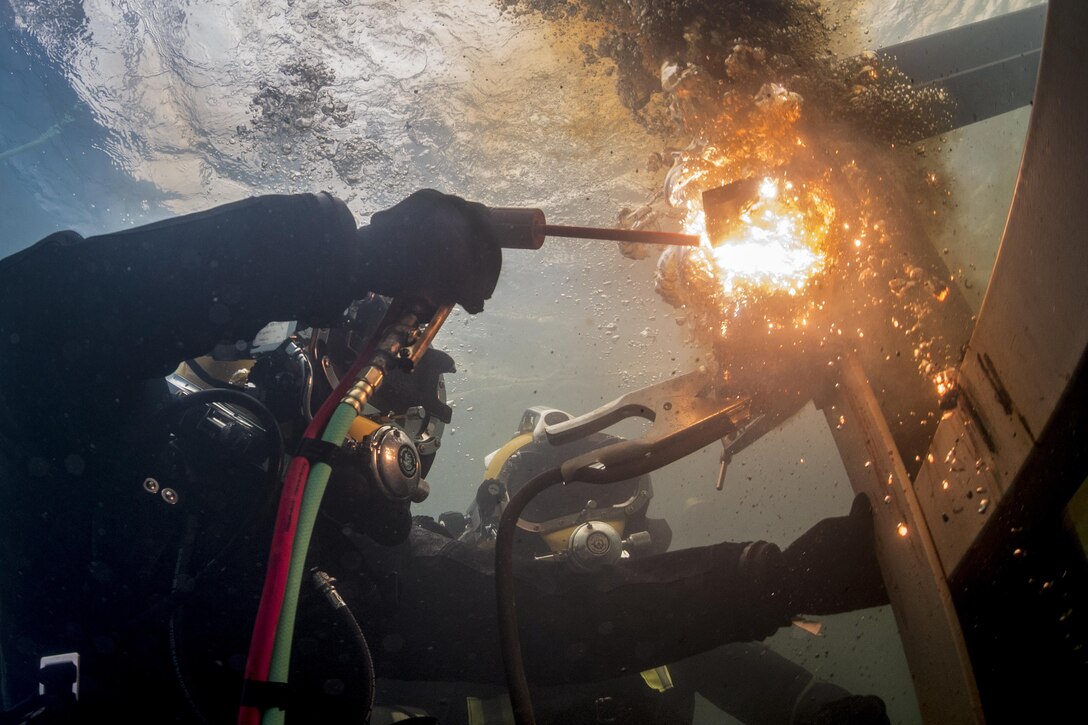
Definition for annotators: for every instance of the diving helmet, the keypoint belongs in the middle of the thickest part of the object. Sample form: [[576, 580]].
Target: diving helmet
[[586, 525]]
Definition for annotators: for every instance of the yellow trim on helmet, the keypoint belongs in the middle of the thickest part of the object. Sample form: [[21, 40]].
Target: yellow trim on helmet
[[504, 453], [221, 370]]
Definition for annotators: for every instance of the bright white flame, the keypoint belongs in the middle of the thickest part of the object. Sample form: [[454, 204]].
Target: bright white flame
[[768, 189], [770, 250], [767, 258]]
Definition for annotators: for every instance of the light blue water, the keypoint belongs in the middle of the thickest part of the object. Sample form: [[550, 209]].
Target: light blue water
[[61, 177]]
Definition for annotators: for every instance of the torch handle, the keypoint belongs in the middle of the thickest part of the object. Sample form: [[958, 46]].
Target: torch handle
[[641, 236], [519, 228]]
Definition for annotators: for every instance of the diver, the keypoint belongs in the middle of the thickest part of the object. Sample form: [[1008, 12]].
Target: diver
[[137, 524], [89, 547], [747, 680]]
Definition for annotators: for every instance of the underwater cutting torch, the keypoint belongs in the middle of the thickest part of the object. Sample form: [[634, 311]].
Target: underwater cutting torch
[[522, 228]]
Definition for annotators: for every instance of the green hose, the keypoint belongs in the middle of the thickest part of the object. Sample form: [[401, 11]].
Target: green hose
[[335, 432]]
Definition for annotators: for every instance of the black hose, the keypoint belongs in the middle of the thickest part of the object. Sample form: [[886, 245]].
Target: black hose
[[326, 585], [364, 651], [174, 623], [307, 386], [512, 660]]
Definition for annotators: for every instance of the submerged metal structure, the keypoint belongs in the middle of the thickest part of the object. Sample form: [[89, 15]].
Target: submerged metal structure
[[987, 584]]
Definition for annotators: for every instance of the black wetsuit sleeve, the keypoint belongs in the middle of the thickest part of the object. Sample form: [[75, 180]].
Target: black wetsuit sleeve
[[136, 302], [575, 627]]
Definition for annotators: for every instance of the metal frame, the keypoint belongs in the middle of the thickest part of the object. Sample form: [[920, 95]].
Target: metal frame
[[1032, 331], [917, 585], [988, 67], [1006, 460]]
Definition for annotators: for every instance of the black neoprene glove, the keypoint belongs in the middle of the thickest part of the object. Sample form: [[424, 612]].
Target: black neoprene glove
[[832, 567], [849, 710], [433, 245]]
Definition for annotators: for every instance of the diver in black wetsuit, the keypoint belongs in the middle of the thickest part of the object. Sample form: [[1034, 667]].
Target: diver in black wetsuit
[[156, 588], [747, 680]]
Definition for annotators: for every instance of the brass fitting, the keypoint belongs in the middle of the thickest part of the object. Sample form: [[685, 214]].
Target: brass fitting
[[364, 388]]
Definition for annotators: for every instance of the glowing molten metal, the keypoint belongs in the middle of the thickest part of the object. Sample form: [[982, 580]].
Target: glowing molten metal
[[775, 245]]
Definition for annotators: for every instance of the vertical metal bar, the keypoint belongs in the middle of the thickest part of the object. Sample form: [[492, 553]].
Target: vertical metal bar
[[917, 585]]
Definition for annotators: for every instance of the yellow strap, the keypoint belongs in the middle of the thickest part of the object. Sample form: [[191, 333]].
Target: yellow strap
[[221, 370]]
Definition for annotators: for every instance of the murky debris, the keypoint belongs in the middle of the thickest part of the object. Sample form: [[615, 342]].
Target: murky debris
[[303, 108], [740, 90], [644, 217], [301, 102], [636, 86], [357, 159]]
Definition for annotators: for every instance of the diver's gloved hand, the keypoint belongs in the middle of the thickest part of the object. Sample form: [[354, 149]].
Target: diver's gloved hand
[[832, 567], [433, 245]]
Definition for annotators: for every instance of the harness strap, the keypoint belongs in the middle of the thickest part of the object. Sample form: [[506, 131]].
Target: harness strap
[[265, 695], [316, 450]]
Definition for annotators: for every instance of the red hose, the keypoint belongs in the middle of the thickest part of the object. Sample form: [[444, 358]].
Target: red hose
[[275, 582], [261, 644]]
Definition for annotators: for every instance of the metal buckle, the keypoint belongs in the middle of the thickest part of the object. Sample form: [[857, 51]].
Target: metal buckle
[[68, 658]]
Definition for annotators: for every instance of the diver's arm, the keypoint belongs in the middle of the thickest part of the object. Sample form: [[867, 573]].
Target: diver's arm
[[142, 299], [647, 612], [132, 304], [575, 627], [635, 615]]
